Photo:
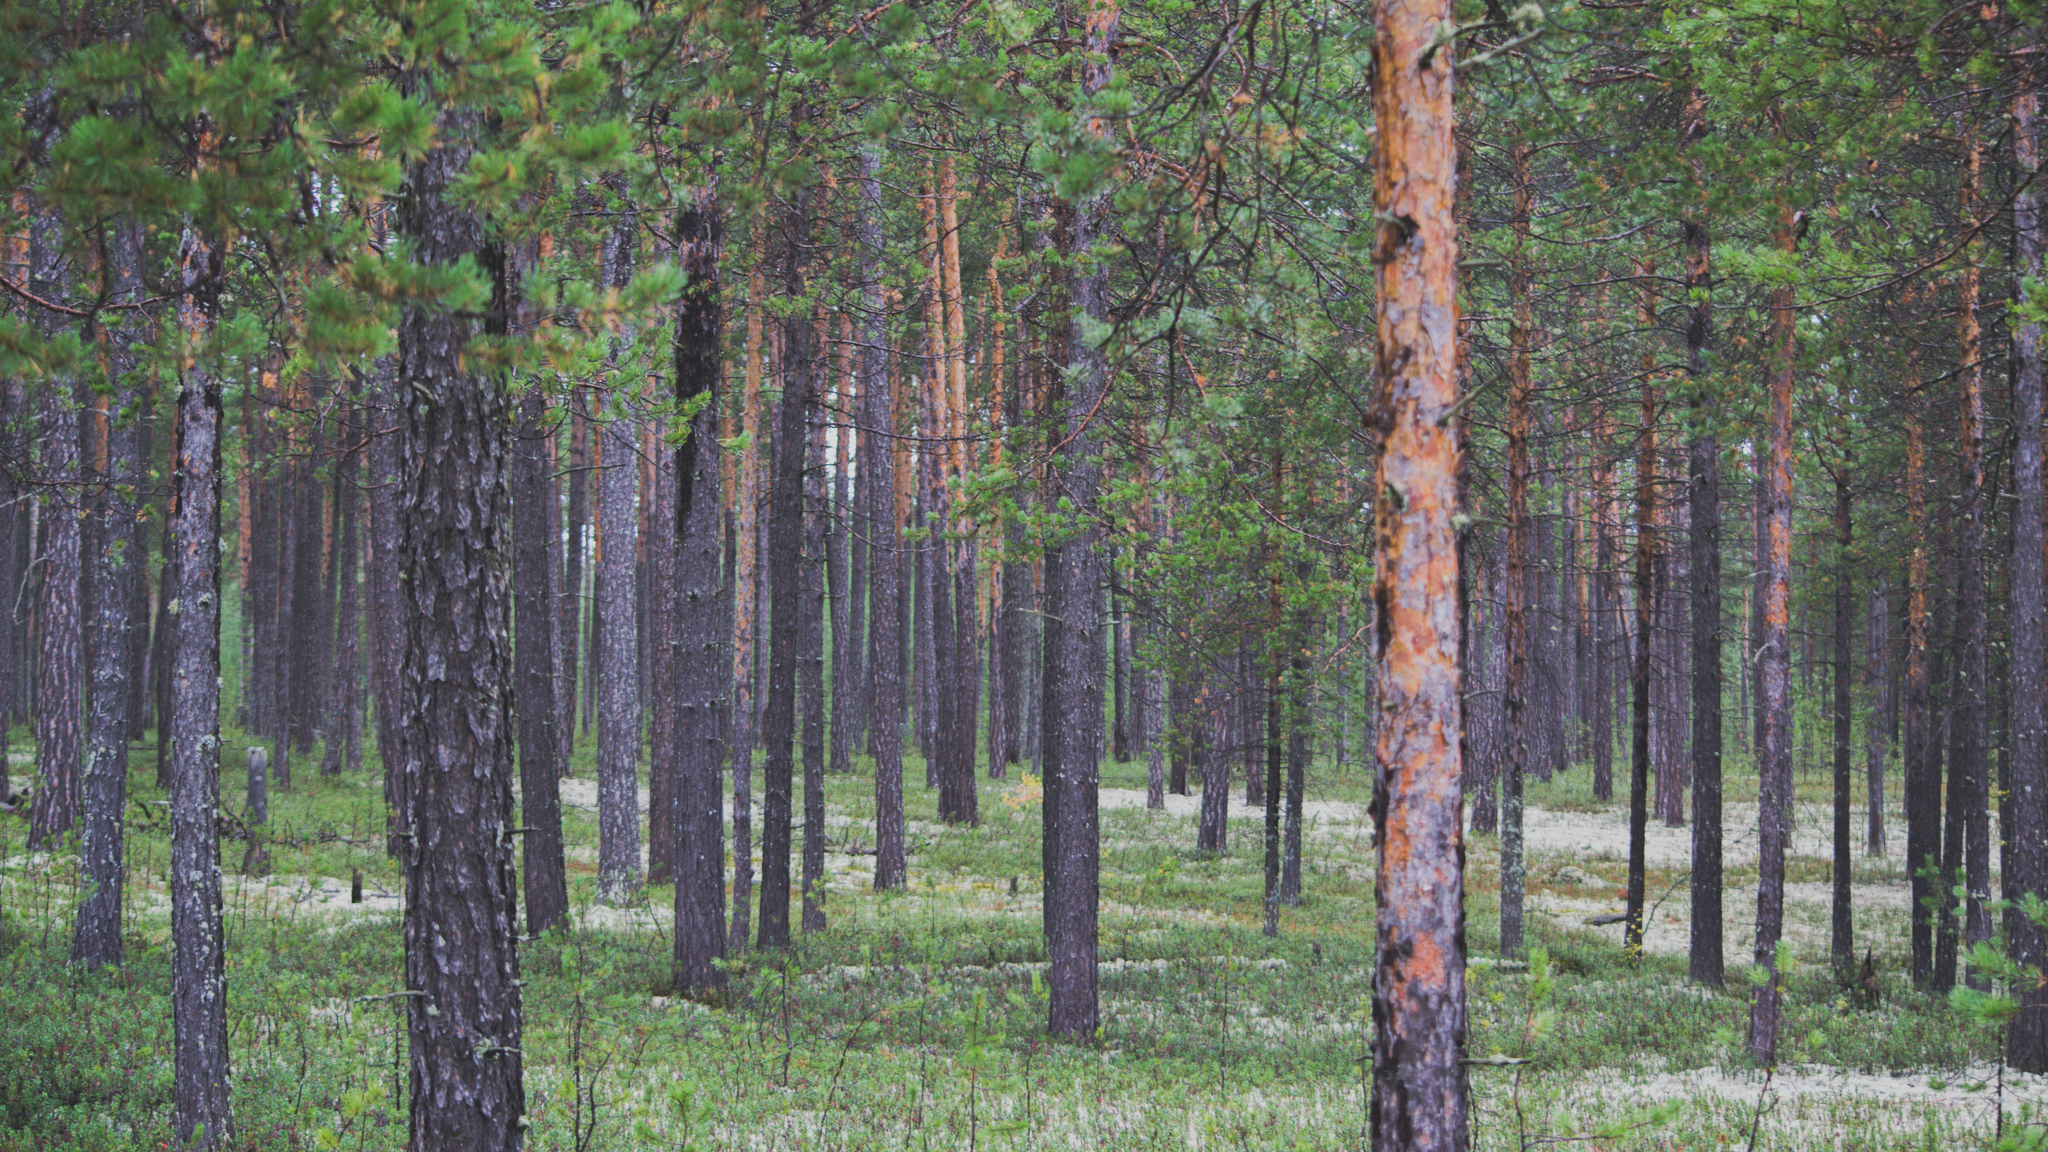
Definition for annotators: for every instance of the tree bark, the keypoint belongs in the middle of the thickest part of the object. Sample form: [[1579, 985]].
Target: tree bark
[[1419, 1092], [703, 668], [570, 630], [2027, 1036], [615, 663], [885, 659], [811, 672], [1645, 634], [201, 1113], [1703, 459], [60, 666], [1923, 780], [799, 368], [121, 562], [1075, 575], [1514, 758], [1972, 710], [466, 1087], [1774, 752], [1842, 935], [540, 745]]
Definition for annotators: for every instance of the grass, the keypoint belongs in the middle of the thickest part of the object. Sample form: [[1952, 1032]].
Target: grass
[[916, 1021]]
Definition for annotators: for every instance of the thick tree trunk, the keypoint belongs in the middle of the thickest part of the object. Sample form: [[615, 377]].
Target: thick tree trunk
[[1419, 1093], [703, 668], [467, 1087], [344, 750], [885, 660], [120, 564], [199, 994], [1774, 752], [387, 626], [2027, 1036], [1703, 460], [60, 664], [1211, 758], [540, 745]]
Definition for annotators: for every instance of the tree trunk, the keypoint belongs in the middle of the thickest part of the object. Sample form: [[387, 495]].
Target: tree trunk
[[1923, 781], [1075, 575], [846, 542], [799, 367], [885, 694], [387, 625], [2027, 1036], [703, 668], [1515, 686], [1774, 752], [1876, 732], [1972, 711], [1645, 634], [746, 544], [1212, 764], [466, 1088], [811, 672], [60, 666], [1419, 1093], [199, 994], [540, 745], [1842, 938], [1703, 460], [570, 630], [121, 563], [659, 535]]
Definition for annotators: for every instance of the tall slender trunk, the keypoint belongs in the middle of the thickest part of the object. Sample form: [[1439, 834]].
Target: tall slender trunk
[[811, 672], [1842, 937], [201, 1108], [1419, 1097], [570, 630], [1972, 712], [799, 368], [1645, 633], [703, 669], [120, 562], [845, 545], [387, 625], [1877, 733], [746, 542], [1703, 460], [1075, 575], [1514, 759], [2027, 1036], [1774, 753], [1607, 609], [344, 750], [659, 536], [1923, 781], [885, 640], [534, 519]]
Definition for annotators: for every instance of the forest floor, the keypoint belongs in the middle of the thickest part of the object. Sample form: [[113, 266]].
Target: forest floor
[[916, 1020]]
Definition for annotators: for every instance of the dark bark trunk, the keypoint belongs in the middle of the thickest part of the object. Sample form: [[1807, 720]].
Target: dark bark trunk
[[811, 675], [1298, 735], [461, 959], [60, 663], [199, 1000], [1075, 575], [614, 662], [1705, 964], [703, 664], [1970, 779], [1515, 743], [800, 367], [344, 717], [571, 631], [1922, 776], [659, 535], [885, 719], [540, 745], [2027, 1036], [1211, 758], [846, 533], [1842, 937], [1877, 732], [387, 626], [1639, 678], [121, 563]]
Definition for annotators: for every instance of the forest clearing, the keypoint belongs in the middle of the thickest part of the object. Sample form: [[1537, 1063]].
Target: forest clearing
[[917, 1019]]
